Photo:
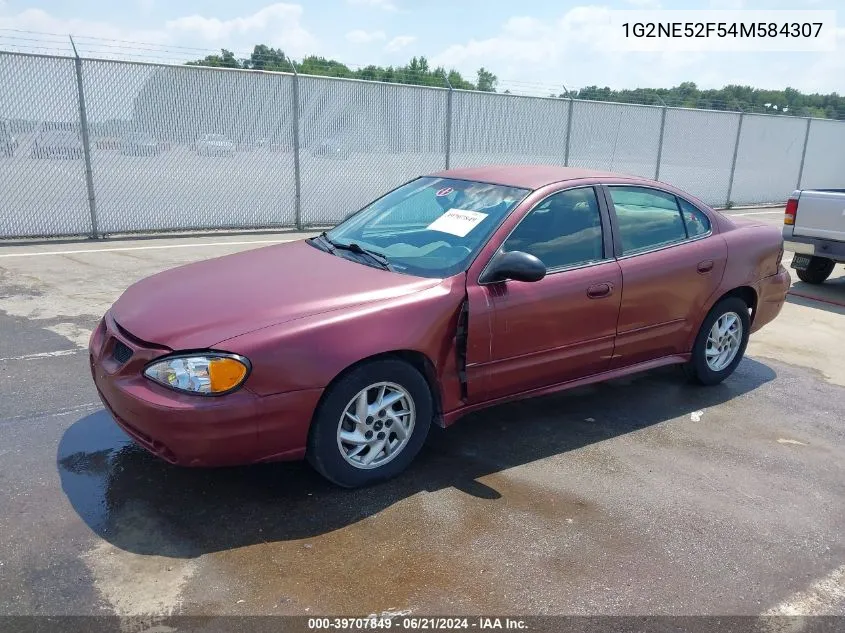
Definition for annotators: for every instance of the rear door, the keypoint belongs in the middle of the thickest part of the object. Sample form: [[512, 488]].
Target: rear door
[[671, 265], [560, 328]]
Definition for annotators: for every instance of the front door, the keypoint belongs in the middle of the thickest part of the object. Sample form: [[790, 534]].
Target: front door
[[559, 328]]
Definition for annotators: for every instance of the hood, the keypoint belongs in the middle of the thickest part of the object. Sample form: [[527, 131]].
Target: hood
[[201, 304]]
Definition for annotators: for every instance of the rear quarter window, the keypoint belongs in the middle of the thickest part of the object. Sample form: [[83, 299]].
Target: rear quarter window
[[696, 222]]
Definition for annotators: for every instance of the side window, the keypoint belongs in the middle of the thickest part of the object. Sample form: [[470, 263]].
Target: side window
[[647, 218], [696, 222], [563, 230]]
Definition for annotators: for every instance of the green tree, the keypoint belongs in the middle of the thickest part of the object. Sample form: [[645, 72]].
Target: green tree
[[419, 72], [225, 60], [486, 81], [459, 83], [314, 65], [265, 58]]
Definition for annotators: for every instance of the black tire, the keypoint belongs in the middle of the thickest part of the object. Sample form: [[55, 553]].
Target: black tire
[[323, 452], [697, 369], [817, 271]]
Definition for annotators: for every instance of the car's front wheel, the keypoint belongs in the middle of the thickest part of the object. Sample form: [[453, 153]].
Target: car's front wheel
[[720, 343], [370, 424]]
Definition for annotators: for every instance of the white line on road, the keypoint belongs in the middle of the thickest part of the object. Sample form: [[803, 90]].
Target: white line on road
[[818, 599], [778, 211], [61, 352], [142, 248], [32, 417]]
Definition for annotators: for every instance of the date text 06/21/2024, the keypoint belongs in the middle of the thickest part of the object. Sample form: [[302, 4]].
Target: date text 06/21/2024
[[416, 623]]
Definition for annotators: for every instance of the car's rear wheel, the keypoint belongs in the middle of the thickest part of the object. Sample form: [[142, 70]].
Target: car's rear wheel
[[370, 424], [817, 270], [720, 343]]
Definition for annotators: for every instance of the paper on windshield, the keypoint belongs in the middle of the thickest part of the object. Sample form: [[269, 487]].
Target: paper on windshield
[[457, 222]]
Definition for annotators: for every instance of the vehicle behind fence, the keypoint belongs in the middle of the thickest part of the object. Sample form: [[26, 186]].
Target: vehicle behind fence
[[94, 147]]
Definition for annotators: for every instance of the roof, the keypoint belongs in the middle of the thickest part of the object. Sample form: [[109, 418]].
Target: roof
[[527, 176]]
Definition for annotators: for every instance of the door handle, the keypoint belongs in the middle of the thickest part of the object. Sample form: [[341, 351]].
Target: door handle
[[705, 266], [600, 290]]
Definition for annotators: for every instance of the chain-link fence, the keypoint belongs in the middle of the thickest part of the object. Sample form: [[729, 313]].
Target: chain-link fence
[[189, 148], [824, 161], [507, 129], [42, 168], [697, 151], [360, 139], [92, 147]]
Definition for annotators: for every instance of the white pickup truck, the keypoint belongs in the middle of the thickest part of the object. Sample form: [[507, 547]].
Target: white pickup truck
[[814, 229]]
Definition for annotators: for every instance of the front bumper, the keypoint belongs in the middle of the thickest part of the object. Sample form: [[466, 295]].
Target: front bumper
[[190, 430]]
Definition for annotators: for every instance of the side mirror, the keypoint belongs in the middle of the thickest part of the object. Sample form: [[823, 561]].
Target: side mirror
[[515, 265]]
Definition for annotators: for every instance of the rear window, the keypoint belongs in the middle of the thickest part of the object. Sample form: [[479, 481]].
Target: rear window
[[648, 218]]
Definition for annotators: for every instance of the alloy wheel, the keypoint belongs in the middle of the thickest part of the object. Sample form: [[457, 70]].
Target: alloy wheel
[[723, 341], [375, 425]]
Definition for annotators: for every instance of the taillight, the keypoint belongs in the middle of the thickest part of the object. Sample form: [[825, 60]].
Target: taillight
[[791, 211]]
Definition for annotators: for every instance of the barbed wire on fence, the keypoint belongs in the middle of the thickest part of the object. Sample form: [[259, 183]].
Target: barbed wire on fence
[[19, 40], [162, 147]]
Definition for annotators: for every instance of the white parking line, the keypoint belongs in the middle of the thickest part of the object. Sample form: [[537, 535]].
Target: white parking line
[[143, 248], [818, 599], [61, 352]]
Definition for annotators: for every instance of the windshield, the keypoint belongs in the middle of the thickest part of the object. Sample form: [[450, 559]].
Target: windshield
[[430, 227]]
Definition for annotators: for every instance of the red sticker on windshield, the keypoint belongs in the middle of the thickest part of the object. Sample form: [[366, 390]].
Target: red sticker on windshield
[[444, 192]]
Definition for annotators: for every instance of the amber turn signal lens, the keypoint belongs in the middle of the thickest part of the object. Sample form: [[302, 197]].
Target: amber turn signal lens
[[225, 373]]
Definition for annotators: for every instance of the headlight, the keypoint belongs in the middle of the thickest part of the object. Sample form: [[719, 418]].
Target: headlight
[[205, 374]]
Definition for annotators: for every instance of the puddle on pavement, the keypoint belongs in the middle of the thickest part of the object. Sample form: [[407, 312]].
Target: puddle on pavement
[[283, 540], [280, 538], [85, 460]]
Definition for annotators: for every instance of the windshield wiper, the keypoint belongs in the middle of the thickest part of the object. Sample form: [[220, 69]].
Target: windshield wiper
[[326, 244], [352, 247]]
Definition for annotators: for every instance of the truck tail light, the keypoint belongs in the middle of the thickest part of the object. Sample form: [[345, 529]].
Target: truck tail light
[[791, 211]]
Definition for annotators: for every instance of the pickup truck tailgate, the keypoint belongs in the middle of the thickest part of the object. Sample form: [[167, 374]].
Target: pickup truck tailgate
[[821, 214]]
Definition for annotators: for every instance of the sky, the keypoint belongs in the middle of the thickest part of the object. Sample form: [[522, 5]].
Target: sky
[[533, 46]]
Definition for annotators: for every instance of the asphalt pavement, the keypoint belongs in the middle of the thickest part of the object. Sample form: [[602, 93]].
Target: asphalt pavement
[[644, 495]]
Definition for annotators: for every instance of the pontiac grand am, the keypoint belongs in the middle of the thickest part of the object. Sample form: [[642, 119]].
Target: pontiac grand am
[[455, 291]]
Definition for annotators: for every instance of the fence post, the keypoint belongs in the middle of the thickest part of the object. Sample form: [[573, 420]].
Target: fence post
[[733, 162], [448, 122], [568, 130], [660, 143], [804, 153], [86, 142], [297, 199]]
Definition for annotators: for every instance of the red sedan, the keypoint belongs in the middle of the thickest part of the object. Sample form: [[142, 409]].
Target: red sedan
[[453, 292]]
